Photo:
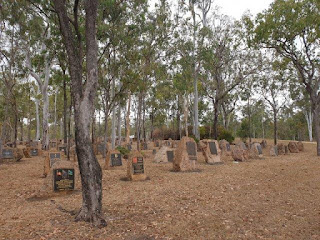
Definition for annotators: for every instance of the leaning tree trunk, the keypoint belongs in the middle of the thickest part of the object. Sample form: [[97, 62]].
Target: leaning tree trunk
[[84, 95]]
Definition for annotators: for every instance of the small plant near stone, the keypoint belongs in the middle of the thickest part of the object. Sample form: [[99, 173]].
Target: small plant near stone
[[124, 151]]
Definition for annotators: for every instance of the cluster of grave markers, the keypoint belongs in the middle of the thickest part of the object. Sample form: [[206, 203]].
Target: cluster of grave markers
[[182, 154]]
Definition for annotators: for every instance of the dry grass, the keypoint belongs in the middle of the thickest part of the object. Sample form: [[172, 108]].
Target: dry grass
[[273, 198]]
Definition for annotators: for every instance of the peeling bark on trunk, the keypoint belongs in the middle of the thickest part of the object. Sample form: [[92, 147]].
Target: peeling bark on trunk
[[83, 96]]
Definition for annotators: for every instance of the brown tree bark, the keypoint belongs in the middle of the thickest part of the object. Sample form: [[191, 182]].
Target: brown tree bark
[[83, 95]]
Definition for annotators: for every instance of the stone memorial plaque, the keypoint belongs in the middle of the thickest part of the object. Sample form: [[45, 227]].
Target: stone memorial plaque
[[170, 156], [102, 148], [192, 152], [53, 157], [115, 159], [63, 179], [138, 165], [7, 153], [259, 149], [34, 152], [213, 148], [228, 147]]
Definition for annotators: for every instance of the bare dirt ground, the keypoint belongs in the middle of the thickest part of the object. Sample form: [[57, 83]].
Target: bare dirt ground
[[273, 198]]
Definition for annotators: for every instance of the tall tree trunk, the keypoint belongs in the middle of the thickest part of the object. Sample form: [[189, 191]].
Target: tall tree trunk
[[139, 120], [143, 119], [215, 119], [316, 114], [21, 129], [119, 125], [15, 124], [84, 95], [113, 123], [309, 119], [105, 140], [249, 118], [45, 115], [65, 106], [185, 106], [55, 117], [195, 78], [93, 129], [275, 129], [37, 119], [128, 119]]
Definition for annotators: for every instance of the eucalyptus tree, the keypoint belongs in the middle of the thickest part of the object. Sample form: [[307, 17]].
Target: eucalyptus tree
[[12, 73], [291, 28], [273, 85], [83, 90], [39, 57], [227, 62]]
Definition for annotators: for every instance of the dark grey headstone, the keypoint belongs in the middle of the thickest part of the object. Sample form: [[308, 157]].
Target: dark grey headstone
[[137, 164], [259, 149], [170, 156], [129, 147], [213, 148], [192, 151], [53, 157], [34, 152], [154, 151], [101, 148], [63, 179], [7, 153], [145, 146], [115, 160], [228, 147], [156, 144]]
